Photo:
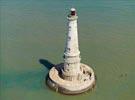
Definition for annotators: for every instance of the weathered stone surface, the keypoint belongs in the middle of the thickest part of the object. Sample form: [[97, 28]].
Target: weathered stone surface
[[86, 82], [71, 77]]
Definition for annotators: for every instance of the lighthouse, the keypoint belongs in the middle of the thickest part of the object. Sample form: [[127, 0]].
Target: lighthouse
[[72, 54], [71, 76]]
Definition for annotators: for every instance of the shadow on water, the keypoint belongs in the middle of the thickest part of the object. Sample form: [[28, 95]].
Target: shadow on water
[[46, 63]]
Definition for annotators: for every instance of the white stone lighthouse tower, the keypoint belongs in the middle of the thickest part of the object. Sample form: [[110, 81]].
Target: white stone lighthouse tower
[[71, 76], [72, 54]]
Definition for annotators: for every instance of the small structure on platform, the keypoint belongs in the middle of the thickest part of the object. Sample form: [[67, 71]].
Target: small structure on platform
[[71, 76]]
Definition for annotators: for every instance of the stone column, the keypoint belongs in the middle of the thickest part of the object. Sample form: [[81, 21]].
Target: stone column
[[71, 69]]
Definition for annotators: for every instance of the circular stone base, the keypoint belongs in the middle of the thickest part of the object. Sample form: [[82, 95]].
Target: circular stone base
[[86, 82]]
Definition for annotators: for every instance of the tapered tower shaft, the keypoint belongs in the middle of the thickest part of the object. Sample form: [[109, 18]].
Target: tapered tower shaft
[[71, 68]]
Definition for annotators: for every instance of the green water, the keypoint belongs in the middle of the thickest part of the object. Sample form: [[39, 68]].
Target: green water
[[32, 30]]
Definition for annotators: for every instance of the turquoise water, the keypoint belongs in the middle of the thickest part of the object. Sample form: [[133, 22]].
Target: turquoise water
[[32, 30]]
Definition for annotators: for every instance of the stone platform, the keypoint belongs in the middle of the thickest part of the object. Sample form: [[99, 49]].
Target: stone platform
[[86, 82]]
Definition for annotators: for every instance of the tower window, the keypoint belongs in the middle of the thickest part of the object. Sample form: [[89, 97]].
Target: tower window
[[68, 49], [69, 38]]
